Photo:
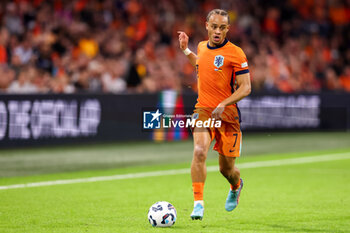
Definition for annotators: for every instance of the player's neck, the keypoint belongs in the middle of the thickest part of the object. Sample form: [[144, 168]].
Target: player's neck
[[212, 45]]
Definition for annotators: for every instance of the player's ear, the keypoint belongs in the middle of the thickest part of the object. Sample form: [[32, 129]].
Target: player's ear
[[206, 25]]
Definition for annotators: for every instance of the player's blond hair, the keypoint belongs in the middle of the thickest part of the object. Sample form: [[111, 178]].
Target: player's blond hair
[[218, 12]]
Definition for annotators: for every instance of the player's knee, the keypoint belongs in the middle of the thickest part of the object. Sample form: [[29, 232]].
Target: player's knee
[[200, 153]]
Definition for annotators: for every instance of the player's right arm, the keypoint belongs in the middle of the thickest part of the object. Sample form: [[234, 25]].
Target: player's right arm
[[183, 39]]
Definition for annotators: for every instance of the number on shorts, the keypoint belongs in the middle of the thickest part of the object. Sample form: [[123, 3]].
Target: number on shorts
[[235, 134]]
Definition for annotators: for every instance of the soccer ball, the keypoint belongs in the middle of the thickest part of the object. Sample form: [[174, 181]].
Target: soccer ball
[[162, 214]]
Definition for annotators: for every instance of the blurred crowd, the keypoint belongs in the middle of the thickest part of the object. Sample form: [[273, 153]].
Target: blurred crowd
[[116, 46]]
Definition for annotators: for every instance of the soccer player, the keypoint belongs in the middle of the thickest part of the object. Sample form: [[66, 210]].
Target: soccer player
[[223, 80]]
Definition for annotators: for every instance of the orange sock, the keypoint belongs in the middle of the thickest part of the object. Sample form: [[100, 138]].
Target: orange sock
[[198, 188], [234, 187]]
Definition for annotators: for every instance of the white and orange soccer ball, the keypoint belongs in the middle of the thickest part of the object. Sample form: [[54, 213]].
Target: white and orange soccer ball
[[162, 214]]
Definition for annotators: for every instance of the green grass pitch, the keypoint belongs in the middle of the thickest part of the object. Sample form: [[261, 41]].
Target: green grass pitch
[[305, 197]]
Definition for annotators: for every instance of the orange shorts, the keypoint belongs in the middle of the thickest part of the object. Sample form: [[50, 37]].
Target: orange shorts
[[228, 137]]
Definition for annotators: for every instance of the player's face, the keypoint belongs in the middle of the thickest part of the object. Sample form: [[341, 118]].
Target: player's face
[[217, 27]]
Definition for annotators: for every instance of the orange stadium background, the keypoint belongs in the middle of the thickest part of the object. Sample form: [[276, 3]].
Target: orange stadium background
[[97, 48]]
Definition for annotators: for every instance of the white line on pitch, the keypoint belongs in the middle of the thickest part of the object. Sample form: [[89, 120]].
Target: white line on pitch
[[270, 163]]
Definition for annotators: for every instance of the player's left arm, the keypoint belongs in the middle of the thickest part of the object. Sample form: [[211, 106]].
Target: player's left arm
[[243, 90]]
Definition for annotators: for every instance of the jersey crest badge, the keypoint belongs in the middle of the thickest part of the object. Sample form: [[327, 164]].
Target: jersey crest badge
[[219, 61]]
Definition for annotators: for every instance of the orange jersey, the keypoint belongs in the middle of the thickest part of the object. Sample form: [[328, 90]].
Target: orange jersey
[[217, 68]]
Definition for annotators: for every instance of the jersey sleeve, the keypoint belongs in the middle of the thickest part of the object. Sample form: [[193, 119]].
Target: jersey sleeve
[[240, 62]]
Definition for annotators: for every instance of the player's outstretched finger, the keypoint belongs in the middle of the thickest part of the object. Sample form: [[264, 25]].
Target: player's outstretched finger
[[182, 34]]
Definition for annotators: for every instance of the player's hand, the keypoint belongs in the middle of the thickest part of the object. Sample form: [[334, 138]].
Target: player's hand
[[183, 39], [216, 114]]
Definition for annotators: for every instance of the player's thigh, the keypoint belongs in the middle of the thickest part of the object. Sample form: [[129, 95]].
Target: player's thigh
[[201, 139]]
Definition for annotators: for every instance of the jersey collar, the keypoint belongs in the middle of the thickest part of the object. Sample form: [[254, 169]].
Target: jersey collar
[[222, 45]]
